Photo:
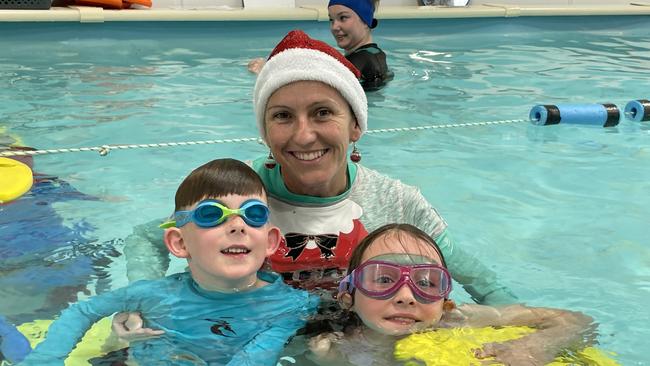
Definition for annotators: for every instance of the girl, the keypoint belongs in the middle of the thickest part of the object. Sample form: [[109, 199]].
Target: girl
[[351, 24], [398, 284]]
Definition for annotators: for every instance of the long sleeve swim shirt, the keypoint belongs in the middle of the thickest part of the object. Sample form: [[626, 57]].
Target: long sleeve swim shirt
[[201, 327]]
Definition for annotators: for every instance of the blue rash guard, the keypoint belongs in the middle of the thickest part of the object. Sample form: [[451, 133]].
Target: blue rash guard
[[201, 327]]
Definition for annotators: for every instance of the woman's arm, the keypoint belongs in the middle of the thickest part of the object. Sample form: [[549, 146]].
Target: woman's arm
[[477, 279], [147, 257]]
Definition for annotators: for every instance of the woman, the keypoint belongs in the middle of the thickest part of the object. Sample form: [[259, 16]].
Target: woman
[[351, 22], [309, 108]]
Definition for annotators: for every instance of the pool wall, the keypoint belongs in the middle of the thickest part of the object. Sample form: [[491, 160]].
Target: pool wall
[[198, 10]]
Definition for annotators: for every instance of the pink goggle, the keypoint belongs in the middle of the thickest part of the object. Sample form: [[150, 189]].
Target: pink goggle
[[381, 280]]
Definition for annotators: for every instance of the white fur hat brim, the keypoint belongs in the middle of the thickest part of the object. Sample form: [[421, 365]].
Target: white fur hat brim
[[305, 64]]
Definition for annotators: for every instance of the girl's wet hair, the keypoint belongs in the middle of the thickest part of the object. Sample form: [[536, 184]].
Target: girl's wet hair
[[218, 178], [402, 232]]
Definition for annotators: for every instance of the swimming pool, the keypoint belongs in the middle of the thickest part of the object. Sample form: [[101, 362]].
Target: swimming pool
[[557, 210]]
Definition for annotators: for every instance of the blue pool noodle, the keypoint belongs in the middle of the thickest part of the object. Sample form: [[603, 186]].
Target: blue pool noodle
[[606, 115], [638, 110]]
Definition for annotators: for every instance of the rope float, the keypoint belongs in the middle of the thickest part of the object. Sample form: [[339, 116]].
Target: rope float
[[105, 149]]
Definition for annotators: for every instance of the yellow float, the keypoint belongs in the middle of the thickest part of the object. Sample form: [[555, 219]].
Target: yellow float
[[455, 346], [93, 344], [15, 179]]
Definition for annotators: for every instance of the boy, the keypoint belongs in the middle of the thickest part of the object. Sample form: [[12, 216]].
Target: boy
[[224, 311]]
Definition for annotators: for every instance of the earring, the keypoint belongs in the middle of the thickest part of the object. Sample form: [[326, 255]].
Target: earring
[[355, 156], [270, 161]]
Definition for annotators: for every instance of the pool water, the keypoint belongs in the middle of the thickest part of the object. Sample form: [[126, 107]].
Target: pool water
[[558, 211]]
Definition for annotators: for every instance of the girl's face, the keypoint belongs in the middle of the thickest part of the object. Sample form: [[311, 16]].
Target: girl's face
[[349, 31], [402, 313]]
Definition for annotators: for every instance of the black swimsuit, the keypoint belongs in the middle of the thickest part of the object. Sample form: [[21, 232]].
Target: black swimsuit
[[371, 61]]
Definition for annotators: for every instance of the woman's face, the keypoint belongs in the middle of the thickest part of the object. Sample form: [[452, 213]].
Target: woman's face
[[309, 127], [402, 313], [349, 31]]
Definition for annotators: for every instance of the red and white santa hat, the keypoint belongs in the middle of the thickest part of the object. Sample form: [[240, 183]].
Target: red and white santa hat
[[300, 58]]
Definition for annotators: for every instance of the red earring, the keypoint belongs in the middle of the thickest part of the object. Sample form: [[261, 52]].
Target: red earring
[[270, 161], [355, 156]]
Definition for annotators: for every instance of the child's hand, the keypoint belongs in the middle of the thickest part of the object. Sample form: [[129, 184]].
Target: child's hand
[[128, 327], [322, 343]]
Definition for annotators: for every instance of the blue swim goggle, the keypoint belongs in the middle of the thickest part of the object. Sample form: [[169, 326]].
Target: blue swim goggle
[[210, 213]]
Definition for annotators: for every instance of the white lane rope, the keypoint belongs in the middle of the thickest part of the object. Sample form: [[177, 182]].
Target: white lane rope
[[105, 149]]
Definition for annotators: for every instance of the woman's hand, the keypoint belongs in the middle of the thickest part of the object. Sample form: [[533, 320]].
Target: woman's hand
[[255, 65], [129, 327]]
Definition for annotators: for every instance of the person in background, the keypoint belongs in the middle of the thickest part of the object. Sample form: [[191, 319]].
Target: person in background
[[225, 310], [351, 24], [398, 284]]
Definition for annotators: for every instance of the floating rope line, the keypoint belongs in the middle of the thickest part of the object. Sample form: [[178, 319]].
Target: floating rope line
[[450, 125], [105, 149]]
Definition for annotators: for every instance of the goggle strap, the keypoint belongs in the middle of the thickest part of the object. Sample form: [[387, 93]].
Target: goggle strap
[[167, 224]]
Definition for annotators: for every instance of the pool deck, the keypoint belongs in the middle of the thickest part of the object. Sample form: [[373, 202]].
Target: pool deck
[[484, 9]]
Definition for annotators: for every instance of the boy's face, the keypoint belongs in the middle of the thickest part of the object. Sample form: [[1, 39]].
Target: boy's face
[[402, 313], [226, 256]]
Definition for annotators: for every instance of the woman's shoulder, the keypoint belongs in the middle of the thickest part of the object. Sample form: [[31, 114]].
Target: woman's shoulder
[[372, 177]]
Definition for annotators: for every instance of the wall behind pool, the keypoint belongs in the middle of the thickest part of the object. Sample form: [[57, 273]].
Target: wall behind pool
[[298, 3], [316, 10]]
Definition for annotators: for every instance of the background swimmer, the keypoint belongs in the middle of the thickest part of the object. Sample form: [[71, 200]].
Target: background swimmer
[[351, 24]]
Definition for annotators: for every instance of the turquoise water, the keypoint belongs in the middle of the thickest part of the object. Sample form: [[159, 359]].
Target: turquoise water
[[557, 210]]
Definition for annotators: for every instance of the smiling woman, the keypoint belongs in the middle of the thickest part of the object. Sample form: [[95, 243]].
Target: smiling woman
[[309, 109]]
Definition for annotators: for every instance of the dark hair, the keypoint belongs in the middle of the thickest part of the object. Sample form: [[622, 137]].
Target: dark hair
[[402, 231], [218, 178]]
